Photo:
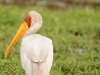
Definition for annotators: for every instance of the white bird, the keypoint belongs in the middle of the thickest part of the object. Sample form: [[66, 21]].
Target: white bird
[[36, 50]]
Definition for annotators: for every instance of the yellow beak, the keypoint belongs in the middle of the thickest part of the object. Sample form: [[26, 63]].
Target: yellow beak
[[23, 28]]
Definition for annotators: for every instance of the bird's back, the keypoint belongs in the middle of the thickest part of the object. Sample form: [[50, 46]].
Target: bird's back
[[36, 54]]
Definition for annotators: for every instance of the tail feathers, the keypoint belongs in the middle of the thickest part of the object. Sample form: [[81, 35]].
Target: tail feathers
[[39, 66], [39, 69]]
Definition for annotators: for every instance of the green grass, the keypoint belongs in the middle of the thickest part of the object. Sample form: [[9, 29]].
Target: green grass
[[74, 30]]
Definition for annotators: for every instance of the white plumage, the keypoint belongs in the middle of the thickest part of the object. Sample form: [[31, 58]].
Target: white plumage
[[36, 50], [36, 54]]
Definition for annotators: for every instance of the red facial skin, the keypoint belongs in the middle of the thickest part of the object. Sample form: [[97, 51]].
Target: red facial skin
[[28, 20]]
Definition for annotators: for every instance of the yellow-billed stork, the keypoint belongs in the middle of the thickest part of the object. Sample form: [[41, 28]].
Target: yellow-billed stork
[[36, 50]]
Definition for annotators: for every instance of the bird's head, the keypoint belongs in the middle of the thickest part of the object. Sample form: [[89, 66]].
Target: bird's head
[[31, 24]]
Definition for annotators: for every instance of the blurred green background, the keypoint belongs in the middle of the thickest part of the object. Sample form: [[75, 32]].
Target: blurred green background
[[73, 25]]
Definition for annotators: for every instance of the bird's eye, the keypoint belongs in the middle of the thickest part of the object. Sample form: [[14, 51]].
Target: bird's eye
[[29, 19]]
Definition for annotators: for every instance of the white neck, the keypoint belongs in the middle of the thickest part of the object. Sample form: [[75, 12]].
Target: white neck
[[33, 29]]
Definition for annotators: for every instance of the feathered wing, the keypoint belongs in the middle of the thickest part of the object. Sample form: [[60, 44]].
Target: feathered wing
[[37, 58], [40, 65]]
